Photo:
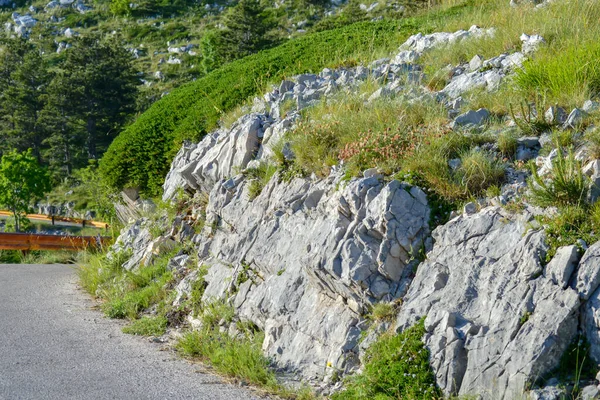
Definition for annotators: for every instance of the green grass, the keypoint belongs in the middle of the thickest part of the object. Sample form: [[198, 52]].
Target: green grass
[[567, 186], [141, 154], [507, 143], [478, 170], [239, 357], [259, 177], [38, 257], [364, 135], [125, 294], [147, 326], [396, 366], [383, 312]]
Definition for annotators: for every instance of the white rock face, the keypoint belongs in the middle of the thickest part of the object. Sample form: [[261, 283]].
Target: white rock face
[[493, 321], [322, 255]]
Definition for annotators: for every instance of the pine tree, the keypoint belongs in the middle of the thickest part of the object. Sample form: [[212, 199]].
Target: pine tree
[[104, 89], [66, 143], [246, 30], [26, 98]]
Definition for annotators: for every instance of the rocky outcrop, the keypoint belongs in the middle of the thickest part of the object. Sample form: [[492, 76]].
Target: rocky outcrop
[[318, 256], [305, 259], [497, 319]]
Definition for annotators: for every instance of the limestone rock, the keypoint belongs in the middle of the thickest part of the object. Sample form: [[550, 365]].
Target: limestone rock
[[479, 281], [562, 265], [318, 257], [472, 118], [588, 273]]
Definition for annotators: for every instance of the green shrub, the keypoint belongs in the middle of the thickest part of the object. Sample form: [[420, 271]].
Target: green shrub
[[567, 186], [396, 366], [147, 326], [141, 154]]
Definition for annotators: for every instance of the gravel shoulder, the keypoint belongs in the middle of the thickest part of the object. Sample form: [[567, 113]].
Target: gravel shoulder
[[55, 345]]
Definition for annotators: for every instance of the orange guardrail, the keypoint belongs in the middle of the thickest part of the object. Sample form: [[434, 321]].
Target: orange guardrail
[[41, 217], [34, 241]]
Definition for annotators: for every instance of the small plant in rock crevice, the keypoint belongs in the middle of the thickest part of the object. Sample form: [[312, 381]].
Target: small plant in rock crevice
[[383, 311], [566, 186], [396, 366], [575, 366], [259, 177]]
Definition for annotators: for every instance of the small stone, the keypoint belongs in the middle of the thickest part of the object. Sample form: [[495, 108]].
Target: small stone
[[455, 163], [531, 142], [524, 154], [590, 106], [591, 168], [589, 392], [472, 117], [470, 208], [575, 118], [555, 115], [476, 62], [371, 172], [562, 265]]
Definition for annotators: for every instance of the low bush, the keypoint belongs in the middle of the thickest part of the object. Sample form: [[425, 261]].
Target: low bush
[[141, 154], [396, 366]]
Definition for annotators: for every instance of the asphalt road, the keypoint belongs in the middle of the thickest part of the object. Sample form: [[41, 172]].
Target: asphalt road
[[54, 345]]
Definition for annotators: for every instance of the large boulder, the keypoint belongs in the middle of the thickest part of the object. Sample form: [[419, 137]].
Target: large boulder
[[494, 322]]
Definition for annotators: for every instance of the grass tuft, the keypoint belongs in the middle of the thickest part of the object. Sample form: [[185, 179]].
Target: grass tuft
[[147, 326], [567, 186]]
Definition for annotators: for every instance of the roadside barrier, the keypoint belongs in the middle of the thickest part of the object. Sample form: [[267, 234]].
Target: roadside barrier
[[34, 241]]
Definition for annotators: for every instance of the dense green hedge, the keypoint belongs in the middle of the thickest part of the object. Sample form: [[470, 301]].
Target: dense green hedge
[[140, 156]]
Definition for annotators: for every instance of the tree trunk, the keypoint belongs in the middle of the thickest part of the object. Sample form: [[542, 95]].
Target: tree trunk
[[91, 130]]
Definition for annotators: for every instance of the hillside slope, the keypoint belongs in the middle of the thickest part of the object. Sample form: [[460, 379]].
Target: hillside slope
[[424, 224]]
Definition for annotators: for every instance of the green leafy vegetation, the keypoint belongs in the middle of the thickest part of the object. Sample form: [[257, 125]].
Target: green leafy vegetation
[[396, 366], [140, 156], [22, 180]]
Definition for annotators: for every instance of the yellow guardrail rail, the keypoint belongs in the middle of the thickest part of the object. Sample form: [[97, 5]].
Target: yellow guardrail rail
[[52, 219]]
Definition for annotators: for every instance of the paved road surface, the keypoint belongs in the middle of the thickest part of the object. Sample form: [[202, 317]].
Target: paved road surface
[[53, 345]]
